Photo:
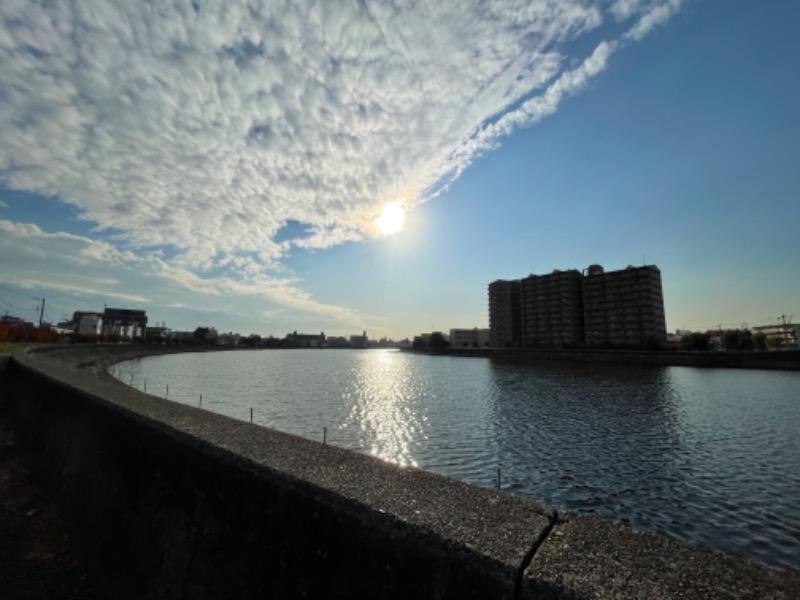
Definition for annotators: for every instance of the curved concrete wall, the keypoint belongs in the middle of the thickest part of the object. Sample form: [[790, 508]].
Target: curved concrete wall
[[168, 501]]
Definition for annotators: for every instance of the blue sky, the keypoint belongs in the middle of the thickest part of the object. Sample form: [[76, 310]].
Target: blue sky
[[223, 166]]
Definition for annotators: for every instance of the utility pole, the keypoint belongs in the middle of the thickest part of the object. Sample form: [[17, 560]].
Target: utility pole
[[41, 311]]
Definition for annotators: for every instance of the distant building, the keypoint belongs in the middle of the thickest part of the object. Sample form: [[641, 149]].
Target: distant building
[[505, 325], [622, 308], [87, 323], [181, 337], [469, 338], [228, 339], [13, 321], [156, 334], [787, 334], [359, 341], [305, 340], [335, 341], [124, 322]]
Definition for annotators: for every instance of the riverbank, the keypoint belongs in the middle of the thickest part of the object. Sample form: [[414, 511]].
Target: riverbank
[[165, 500], [784, 360]]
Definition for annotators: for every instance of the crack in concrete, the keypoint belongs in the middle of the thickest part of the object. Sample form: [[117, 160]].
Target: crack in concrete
[[528, 558]]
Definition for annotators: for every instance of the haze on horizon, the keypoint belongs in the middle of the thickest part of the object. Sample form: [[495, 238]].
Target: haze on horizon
[[343, 166]]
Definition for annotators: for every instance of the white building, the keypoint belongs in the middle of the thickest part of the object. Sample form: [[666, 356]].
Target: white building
[[88, 323], [469, 338], [788, 334]]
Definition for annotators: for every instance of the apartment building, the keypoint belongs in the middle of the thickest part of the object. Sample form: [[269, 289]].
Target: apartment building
[[504, 314], [623, 308], [552, 309], [595, 308]]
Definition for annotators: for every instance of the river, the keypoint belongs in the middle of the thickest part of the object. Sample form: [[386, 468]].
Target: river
[[707, 456]]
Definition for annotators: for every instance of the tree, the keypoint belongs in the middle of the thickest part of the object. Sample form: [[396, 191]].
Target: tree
[[760, 340], [201, 335], [419, 344], [252, 341], [695, 341], [774, 341], [730, 339], [437, 340]]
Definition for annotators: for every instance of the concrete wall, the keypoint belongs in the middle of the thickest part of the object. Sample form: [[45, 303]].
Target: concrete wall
[[167, 501]]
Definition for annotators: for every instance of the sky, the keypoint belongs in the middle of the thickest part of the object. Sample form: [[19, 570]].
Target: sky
[[230, 164]]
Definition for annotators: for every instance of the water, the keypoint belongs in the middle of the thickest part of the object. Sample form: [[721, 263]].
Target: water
[[707, 456]]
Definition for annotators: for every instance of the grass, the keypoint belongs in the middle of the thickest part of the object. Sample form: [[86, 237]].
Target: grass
[[8, 347]]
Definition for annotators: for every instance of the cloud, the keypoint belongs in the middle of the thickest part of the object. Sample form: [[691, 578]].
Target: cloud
[[96, 270], [657, 14], [207, 127]]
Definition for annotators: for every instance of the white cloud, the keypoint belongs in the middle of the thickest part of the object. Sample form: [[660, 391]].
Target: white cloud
[[623, 9], [92, 269], [656, 14], [207, 127]]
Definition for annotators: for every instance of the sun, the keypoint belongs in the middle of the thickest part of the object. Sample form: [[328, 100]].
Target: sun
[[392, 219]]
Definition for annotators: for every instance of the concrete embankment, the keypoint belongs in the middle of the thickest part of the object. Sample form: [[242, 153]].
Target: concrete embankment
[[168, 501]]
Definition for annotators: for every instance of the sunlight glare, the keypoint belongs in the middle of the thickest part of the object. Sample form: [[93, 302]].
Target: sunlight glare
[[392, 218]]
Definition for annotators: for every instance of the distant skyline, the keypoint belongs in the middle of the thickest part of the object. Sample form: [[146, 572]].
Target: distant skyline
[[219, 165]]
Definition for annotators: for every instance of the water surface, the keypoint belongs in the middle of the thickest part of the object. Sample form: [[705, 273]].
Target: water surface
[[707, 456]]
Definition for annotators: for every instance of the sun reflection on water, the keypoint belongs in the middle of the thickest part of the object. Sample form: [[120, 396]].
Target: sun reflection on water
[[382, 405]]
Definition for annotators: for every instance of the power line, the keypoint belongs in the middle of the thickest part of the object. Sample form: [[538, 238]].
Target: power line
[[15, 307]]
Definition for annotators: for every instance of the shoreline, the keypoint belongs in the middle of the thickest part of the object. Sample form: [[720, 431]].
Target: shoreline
[[783, 360]]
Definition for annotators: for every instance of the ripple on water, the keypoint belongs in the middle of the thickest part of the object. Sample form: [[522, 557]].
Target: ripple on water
[[705, 456]]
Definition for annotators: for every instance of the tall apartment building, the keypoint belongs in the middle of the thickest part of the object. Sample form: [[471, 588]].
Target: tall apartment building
[[552, 309], [566, 308], [504, 314], [623, 308]]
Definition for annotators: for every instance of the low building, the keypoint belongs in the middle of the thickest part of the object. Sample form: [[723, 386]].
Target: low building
[[359, 341], [469, 338], [181, 337], [124, 322], [87, 323], [305, 340], [783, 334], [336, 341], [228, 339], [156, 334]]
